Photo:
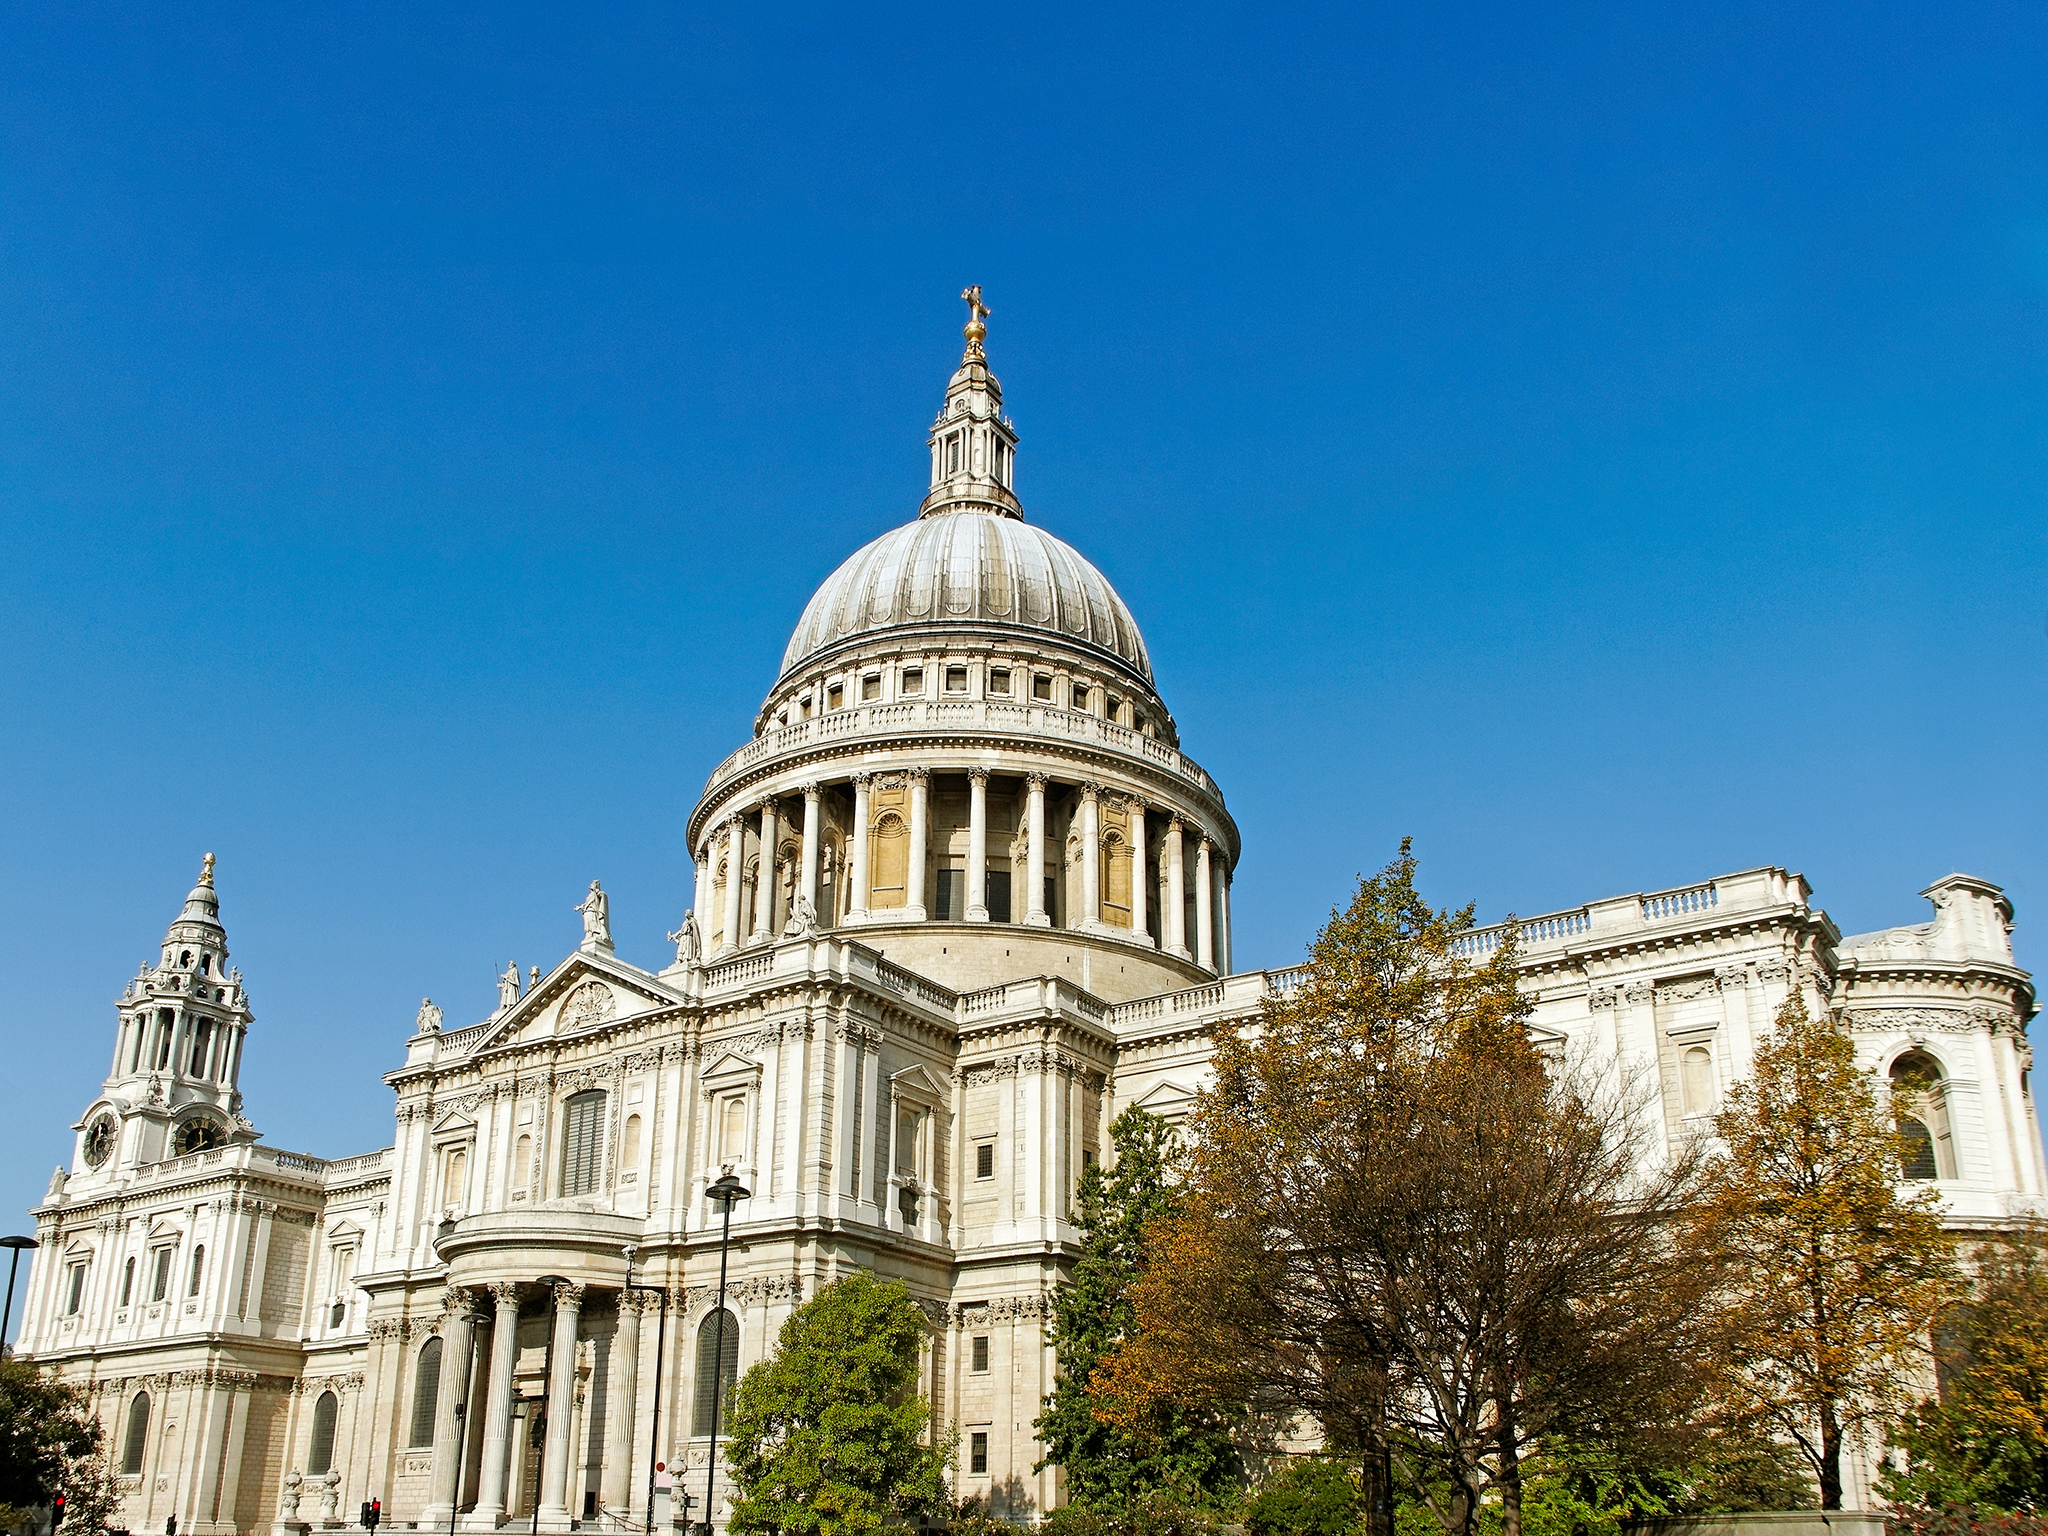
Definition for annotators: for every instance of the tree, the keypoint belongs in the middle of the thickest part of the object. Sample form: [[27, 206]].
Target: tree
[[1983, 1441], [1407, 1225], [1182, 1447], [829, 1434], [1309, 1496], [1829, 1280], [50, 1444]]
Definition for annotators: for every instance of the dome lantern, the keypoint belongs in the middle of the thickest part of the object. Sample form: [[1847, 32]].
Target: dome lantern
[[973, 445]]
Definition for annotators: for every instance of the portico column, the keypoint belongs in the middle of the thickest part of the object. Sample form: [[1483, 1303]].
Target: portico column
[[1035, 915], [490, 1495], [555, 1458], [1138, 880], [1091, 858], [707, 861], [858, 849], [615, 1483], [1176, 892], [1223, 917], [458, 1337], [735, 854], [812, 833], [977, 845], [764, 876], [920, 787], [1205, 909]]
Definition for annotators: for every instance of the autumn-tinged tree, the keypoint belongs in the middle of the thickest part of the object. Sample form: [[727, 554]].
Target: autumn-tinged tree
[[829, 1434], [1983, 1441], [1829, 1278], [1183, 1447], [1407, 1226]]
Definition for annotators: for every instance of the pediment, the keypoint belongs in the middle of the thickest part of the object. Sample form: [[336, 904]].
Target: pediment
[[454, 1123], [732, 1068], [585, 992], [347, 1231], [78, 1248], [919, 1083], [1167, 1100], [161, 1231]]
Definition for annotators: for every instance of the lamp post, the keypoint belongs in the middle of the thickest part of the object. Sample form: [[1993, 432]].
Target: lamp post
[[13, 1263], [726, 1190], [474, 1317], [547, 1374], [660, 1344]]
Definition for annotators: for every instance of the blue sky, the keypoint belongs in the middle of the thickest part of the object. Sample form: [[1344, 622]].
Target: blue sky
[[1604, 443]]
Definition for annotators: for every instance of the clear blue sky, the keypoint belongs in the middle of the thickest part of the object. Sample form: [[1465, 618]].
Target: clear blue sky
[[1606, 444]]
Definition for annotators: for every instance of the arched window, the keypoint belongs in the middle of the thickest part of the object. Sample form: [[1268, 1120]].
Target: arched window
[[320, 1457], [1920, 1105], [1698, 1073], [718, 1346], [426, 1387], [732, 1129], [137, 1436], [1116, 881], [160, 1277], [629, 1145], [128, 1282], [455, 1182], [582, 1121], [522, 1166], [198, 1270], [889, 863]]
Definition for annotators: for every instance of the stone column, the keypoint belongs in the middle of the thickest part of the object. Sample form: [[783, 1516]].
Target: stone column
[[977, 845], [1176, 892], [920, 798], [1091, 859], [813, 831], [1205, 908], [1138, 878], [555, 1457], [764, 875], [458, 1336], [700, 898], [735, 853], [857, 851], [1035, 915], [490, 1494], [1223, 918], [615, 1486]]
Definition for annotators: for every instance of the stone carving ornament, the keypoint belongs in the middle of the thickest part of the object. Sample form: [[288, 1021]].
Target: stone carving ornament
[[589, 1005], [597, 918]]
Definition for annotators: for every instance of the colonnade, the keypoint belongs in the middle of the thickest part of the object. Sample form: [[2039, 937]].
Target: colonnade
[[1183, 844], [461, 1364]]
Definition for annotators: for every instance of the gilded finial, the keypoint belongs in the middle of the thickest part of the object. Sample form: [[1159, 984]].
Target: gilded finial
[[206, 870], [975, 330]]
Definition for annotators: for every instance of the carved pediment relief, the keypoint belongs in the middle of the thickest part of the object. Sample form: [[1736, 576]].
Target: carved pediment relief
[[585, 992]]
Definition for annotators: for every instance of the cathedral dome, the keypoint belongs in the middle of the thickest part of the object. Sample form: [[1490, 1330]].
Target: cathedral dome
[[968, 568]]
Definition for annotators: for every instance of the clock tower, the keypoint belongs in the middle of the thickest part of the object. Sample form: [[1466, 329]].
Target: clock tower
[[177, 1053]]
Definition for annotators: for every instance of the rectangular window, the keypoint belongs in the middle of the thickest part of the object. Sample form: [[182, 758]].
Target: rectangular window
[[1113, 707], [871, 688], [956, 679], [582, 1121], [953, 454], [835, 696], [951, 885], [1052, 889], [913, 680], [997, 895], [1041, 687], [977, 1451], [160, 1277], [1079, 696], [980, 1352], [76, 1298], [985, 1160], [1087, 1157], [999, 681]]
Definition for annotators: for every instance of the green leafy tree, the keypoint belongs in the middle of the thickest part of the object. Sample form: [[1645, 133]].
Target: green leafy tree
[[1984, 1440], [829, 1434], [50, 1444], [1184, 1449], [1309, 1496], [1829, 1279]]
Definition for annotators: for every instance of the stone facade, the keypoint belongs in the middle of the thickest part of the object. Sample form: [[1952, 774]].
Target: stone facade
[[959, 901]]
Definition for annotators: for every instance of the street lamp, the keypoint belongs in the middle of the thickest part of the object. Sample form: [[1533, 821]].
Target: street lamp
[[13, 1263], [660, 1344], [726, 1190], [547, 1283], [473, 1317]]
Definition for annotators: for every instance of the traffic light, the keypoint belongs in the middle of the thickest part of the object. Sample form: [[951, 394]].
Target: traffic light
[[376, 1513], [57, 1511]]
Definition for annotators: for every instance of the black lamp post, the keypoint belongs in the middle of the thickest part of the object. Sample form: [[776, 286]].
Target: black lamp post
[[547, 1375], [13, 1263], [726, 1190], [660, 1345]]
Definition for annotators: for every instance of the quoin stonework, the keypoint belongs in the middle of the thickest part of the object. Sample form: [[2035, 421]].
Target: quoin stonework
[[960, 899]]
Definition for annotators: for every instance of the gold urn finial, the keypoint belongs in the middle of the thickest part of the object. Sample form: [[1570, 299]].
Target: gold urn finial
[[206, 870], [975, 330]]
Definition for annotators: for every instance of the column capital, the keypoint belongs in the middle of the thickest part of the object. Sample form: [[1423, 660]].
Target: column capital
[[1089, 790], [1174, 824], [455, 1301], [1203, 845], [808, 791], [863, 779], [505, 1293], [736, 821], [978, 776], [568, 1296], [917, 775], [1035, 781], [634, 1302]]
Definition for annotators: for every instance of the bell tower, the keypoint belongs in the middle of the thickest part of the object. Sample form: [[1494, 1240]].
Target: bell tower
[[177, 1051]]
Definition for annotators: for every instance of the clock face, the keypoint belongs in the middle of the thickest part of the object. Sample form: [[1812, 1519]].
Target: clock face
[[99, 1140], [198, 1135]]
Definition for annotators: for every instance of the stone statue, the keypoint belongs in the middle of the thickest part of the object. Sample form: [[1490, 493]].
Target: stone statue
[[689, 947], [156, 1088], [508, 986], [597, 918], [803, 919], [57, 1182], [428, 1020]]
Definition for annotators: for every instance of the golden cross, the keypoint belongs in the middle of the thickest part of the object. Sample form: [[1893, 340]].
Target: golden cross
[[977, 312], [206, 871]]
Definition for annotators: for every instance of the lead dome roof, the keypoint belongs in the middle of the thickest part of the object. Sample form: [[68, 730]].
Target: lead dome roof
[[972, 568]]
